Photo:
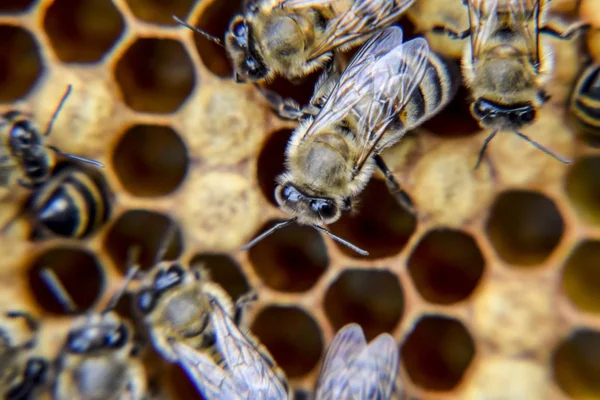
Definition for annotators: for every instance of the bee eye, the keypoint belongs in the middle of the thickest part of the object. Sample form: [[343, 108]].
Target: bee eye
[[77, 343], [21, 135], [117, 338], [528, 115], [479, 110], [146, 301], [324, 208], [251, 67], [239, 29], [289, 193]]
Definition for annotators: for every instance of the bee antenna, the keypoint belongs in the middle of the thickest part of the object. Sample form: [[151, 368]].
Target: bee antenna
[[340, 240], [57, 110], [544, 149], [59, 291], [200, 31], [482, 150], [165, 242], [76, 158], [268, 232], [132, 268]]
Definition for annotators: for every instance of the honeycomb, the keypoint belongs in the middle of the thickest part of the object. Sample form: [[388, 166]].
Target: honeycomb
[[491, 291]]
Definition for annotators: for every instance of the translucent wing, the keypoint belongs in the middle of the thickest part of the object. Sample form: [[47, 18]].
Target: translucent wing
[[251, 375], [356, 82], [394, 77], [483, 16], [352, 370], [525, 19], [362, 18], [210, 380]]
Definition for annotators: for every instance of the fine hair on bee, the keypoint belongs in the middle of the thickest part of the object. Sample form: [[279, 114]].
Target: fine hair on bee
[[27, 150], [585, 101], [99, 358], [171, 303], [506, 66], [352, 368], [247, 370], [21, 374], [388, 88], [293, 38]]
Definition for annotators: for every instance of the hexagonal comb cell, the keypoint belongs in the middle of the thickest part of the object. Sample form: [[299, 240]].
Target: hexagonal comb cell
[[437, 352], [150, 160], [380, 226], [576, 367], [159, 11], [291, 259], [20, 63], [10, 6], [446, 266], [524, 227], [149, 231], [214, 20], [155, 75], [581, 276], [583, 188], [76, 270], [455, 120], [224, 271], [292, 336], [373, 299], [83, 30], [271, 162]]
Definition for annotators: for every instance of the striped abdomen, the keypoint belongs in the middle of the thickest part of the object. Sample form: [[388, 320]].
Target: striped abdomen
[[71, 204], [585, 102], [436, 90]]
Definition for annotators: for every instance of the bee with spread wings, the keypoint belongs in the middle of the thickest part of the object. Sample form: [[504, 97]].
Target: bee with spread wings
[[247, 373], [388, 88], [296, 37], [353, 369], [506, 65]]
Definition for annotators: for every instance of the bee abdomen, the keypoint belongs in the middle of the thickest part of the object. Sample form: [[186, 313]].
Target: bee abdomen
[[437, 88], [585, 105], [70, 205]]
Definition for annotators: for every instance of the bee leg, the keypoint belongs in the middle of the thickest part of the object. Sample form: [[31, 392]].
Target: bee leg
[[285, 108], [32, 324], [34, 374], [241, 304], [443, 30], [394, 187], [571, 31]]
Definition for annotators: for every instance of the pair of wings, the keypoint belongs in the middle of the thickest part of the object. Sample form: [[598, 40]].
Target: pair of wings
[[247, 374], [354, 370], [377, 83], [363, 17], [523, 20]]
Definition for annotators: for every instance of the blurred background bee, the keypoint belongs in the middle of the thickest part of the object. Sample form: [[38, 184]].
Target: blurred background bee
[[293, 38], [506, 66], [21, 374], [24, 157], [585, 101], [388, 88], [99, 359], [247, 371], [354, 370]]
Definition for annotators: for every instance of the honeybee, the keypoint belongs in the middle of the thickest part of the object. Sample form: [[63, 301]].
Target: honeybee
[[585, 100], [247, 371], [20, 373], [354, 370], [99, 357], [24, 157], [506, 66], [388, 88], [71, 203], [292, 38]]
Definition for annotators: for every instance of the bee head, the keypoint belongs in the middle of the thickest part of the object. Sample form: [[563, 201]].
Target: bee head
[[108, 333], [242, 48], [308, 209], [164, 280], [503, 117]]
